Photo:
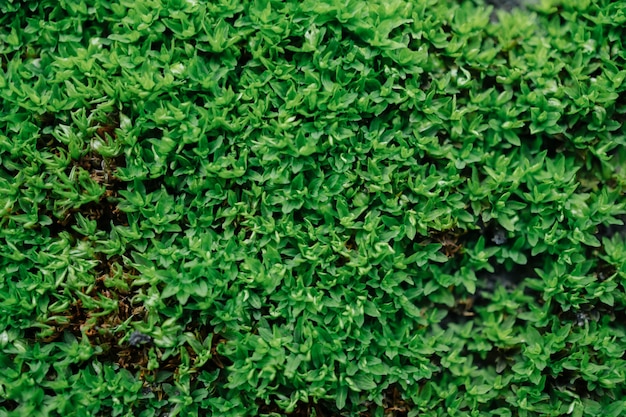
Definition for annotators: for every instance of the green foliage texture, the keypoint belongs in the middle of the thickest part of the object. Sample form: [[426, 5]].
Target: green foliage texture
[[311, 205]]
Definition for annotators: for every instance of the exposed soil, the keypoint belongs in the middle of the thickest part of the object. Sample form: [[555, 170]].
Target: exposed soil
[[393, 405]]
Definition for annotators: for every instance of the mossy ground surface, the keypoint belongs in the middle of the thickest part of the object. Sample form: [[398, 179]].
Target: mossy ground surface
[[316, 208]]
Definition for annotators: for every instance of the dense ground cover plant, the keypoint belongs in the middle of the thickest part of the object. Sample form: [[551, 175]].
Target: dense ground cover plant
[[312, 208]]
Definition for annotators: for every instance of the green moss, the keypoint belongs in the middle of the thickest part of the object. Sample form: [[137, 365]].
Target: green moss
[[316, 208]]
